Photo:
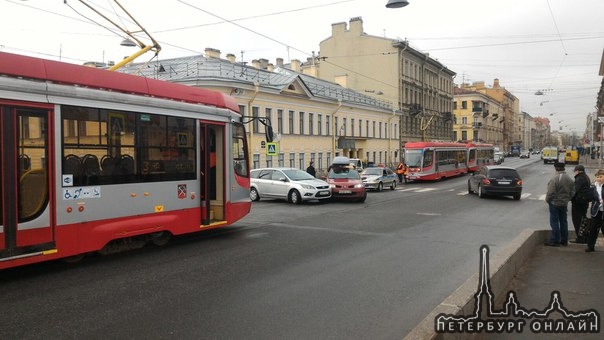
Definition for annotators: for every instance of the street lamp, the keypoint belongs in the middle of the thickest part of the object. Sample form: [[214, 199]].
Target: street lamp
[[397, 3]]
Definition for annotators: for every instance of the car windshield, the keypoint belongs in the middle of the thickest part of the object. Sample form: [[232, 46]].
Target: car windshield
[[343, 172], [373, 172], [298, 175], [503, 173]]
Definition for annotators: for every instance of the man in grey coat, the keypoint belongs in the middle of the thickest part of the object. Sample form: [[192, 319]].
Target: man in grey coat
[[560, 189]]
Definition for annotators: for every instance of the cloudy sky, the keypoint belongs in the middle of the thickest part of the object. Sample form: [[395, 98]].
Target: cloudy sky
[[551, 46]]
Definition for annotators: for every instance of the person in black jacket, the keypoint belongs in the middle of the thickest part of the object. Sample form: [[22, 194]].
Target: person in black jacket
[[597, 212], [580, 201], [311, 169]]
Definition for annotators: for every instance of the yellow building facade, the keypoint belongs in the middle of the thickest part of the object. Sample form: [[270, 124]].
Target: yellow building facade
[[420, 87], [312, 119]]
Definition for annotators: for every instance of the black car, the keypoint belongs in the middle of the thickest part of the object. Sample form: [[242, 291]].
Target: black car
[[495, 180]]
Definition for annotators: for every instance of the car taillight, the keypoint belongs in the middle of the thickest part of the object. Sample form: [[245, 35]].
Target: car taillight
[[519, 182], [486, 181]]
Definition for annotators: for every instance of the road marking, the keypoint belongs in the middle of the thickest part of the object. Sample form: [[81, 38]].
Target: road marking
[[463, 193], [425, 189]]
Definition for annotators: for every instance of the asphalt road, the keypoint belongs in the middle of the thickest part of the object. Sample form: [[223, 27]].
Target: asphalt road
[[316, 271]]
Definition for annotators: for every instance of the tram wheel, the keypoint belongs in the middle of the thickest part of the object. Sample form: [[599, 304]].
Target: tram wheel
[[161, 238]]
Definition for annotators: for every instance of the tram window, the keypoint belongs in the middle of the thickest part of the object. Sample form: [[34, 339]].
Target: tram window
[[239, 147], [111, 147]]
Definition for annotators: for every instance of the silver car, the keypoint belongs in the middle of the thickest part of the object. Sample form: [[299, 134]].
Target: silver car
[[292, 184], [378, 178]]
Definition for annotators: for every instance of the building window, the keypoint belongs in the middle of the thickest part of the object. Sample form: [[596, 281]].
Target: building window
[[279, 121], [380, 132], [281, 159], [374, 129], [319, 123], [292, 160], [291, 122], [464, 120], [310, 124], [464, 105], [301, 158], [360, 128], [352, 127], [366, 128], [256, 122], [327, 130], [256, 161], [344, 126], [268, 114], [301, 122], [320, 160]]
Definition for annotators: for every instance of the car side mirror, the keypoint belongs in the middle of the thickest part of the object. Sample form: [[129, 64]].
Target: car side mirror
[[283, 179]]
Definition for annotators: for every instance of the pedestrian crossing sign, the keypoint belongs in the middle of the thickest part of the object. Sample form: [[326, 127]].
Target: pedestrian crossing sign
[[271, 149]]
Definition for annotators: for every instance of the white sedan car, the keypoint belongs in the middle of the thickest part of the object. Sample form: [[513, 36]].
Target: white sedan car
[[292, 184]]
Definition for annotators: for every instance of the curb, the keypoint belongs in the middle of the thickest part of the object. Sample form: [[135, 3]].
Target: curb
[[503, 267]]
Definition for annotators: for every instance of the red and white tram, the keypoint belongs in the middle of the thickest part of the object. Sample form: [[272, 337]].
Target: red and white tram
[[429, 161], [93, 160], [480, 154]]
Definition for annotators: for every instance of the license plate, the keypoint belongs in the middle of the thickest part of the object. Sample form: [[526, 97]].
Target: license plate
[[323, 193], [505, 182], [345, 192], [412, 177]]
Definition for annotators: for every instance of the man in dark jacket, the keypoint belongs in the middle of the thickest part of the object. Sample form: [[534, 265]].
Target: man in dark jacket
[[580, 201], [311, 169], [560, 189]]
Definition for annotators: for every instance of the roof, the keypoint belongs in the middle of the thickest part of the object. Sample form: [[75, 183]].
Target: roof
[[193, 69]]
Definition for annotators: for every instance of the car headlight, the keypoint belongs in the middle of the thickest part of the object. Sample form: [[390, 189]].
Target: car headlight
[[308, 187], [360, 185], [332, 185]]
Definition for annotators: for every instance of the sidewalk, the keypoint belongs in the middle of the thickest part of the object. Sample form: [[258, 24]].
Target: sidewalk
[[533, 272]]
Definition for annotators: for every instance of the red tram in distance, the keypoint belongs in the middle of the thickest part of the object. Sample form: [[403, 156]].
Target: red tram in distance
[[99, 161], [430, 161], [480, 154]]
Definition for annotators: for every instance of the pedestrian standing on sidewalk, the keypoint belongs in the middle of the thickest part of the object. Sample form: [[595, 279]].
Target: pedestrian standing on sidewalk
[[560, 189], [580, 201], [597, 212]]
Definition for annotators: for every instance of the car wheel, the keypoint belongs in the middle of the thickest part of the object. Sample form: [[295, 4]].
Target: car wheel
[[362, 199], [480, 192], [380, 186], [517, 197], [393, 185], [254, 194], [294, 197], [469, 188]]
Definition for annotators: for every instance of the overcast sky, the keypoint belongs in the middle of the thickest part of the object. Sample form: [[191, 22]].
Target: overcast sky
[[550, 45]]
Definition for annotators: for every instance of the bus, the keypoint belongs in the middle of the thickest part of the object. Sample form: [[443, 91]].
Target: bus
[[95, 161], [429, 161], [480, 154]]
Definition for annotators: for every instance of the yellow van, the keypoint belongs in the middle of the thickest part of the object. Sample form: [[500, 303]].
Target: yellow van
[[571, 157]]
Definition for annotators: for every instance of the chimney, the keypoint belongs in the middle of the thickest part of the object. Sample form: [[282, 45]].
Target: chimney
[[256, 63], [279, 62], [496, 83], [338, 28], [356, 26], [263, 63], [270, 67], [295, 65], [231, 58], [212, 53]]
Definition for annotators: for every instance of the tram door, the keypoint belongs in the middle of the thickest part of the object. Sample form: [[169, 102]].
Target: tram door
[[213, 172], [25, 226]]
